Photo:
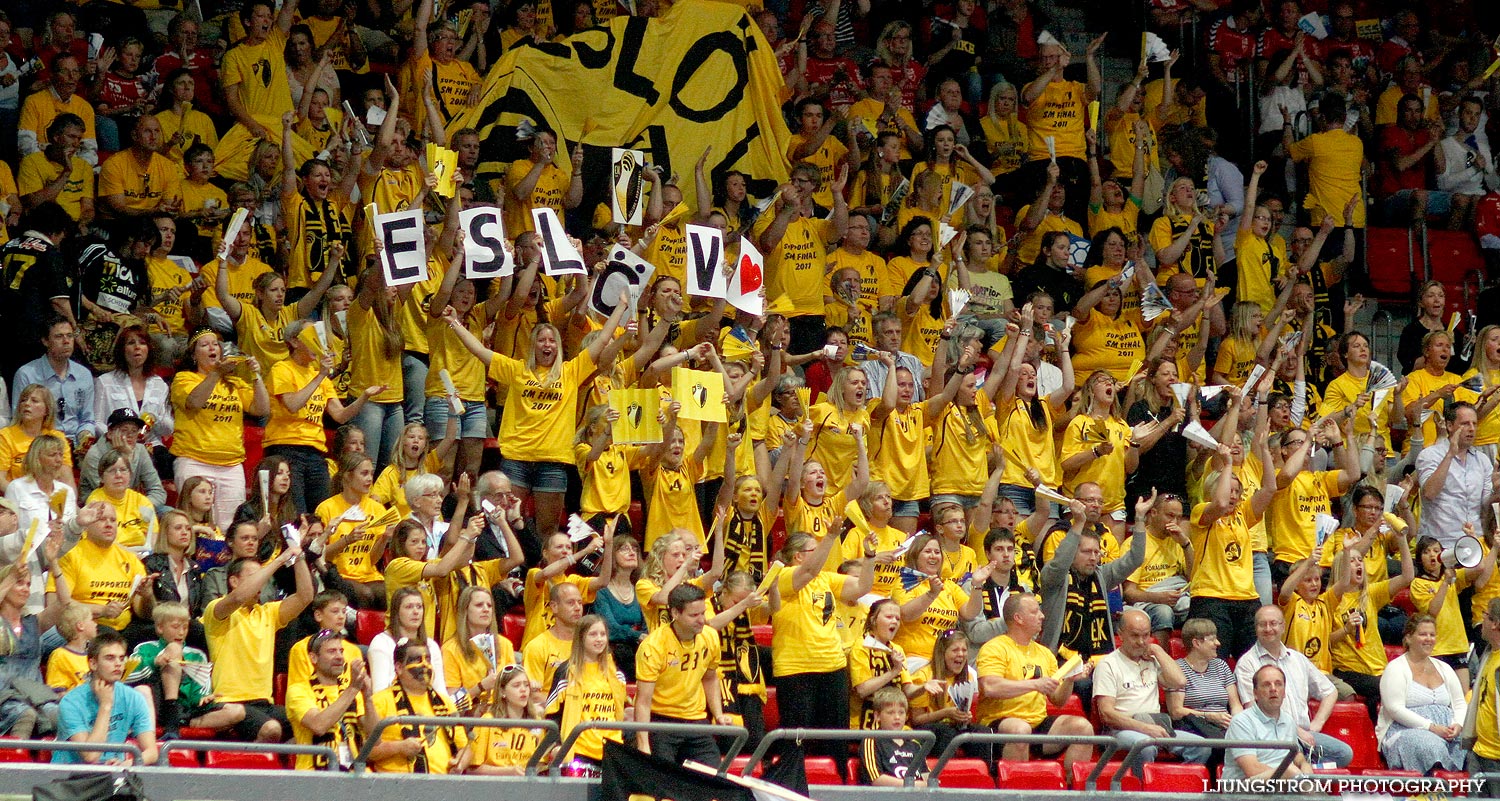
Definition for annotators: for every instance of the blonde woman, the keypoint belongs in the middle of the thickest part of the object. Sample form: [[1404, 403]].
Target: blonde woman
[[352, 546], [1487, 369], [1099, 447], [35, 414], [588, 687], [209, 404], [674, 561], [414, 455], [475, 656]]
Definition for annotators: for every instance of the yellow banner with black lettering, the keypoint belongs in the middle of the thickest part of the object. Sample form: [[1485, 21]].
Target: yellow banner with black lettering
[[700, 78]]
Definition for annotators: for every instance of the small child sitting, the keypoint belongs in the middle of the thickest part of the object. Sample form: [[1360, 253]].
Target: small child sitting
[[68, 666], [886, 763], [177, 676]]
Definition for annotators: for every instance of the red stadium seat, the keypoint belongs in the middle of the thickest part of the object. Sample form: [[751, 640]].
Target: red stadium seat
[[184, 759], [1177, 648], [513, 627], [367, 624], [1172, 777], [1453, 255], [278, 693], [1351, 723], [1081, 771], [14, 754], [199, 733], [1072, 707], [737, 766], [1392, 263], [242, 760], [762, 635], [253, 450], [971, 773], [823, 770], [1389, 772], [1402, 600], [1393, 651], [1039, 774], [771, 712], [1452, 776]]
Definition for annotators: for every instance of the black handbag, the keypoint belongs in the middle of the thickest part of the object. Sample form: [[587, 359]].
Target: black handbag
[[111, 786]]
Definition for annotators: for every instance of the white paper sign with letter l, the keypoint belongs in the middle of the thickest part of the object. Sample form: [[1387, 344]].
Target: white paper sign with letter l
[[748, 280], [484, 243], [403, 247], [559, 257], [706, 262]]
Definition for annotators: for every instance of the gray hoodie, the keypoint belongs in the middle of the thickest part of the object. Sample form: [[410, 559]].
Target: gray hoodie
[[1057, 576]]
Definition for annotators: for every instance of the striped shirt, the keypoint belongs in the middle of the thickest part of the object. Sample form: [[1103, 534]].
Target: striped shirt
[[1207, 691]]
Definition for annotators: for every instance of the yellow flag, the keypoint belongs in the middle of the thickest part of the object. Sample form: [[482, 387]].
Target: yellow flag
[[637, 424], [699, 77], [701, 394], [443, 162]]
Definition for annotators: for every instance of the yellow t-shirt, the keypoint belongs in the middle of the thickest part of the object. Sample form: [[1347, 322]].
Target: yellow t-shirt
[[264, 339], [412, 315], [866, 661], [241, 280], [100, 574], [1343, 390], [826, 158], [543, 655], [1031, 244], [679, 669], [1259, 261], [390, 486], [299, 668], [135, 517], [461, 671], [550, 191], [795, 267], [304, 426], [1420, 383], [13, 446], [1335, 160], [917, 637], [1236, 360], [1198, 256], [450, 81], [1004, 657], [356, 562], [606, 481], [1164, 559], [539, 615], [958, 172], [1107, 343], [1057, 112], [961, 441], [36, 172], [447, 352], [304, 697], [1292, 519], [672, 501], [1122, 143], [1127, 219], [819, 520], [1225, 566], [1027, 445], [195, 127], [41, 108], [441, 743], [1368, 655], [871, 269], [143, 186], [1309, 629], [165, 274], [898, 451], [803, 636], [196, 196], [1452, 634], [1007, 141], [504, 748], [1486, 723], [214, 434], [238, 644], [832, 445], [66, 669], [371, 363], [887, 576], [540, 412], [260, 72]]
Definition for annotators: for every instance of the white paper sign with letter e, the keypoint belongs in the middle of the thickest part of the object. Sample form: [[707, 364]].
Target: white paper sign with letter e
[[748, 280], [484, 243], [559, 257], [706, 262], [623, 272], [403, 247]]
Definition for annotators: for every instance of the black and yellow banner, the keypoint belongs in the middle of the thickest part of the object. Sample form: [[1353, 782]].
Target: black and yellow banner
[[702, 76]]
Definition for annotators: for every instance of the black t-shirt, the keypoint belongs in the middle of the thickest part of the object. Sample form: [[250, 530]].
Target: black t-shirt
[[889, 758], [32, 274], [1162, 466]]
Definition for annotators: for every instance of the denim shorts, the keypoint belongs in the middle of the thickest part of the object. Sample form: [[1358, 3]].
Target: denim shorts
[[536, 476], [966, 501], [1023, 497], [906, 508], [473, 425]]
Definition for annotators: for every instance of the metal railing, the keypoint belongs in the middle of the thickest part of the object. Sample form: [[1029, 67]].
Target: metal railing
[[739, 733], [1291, 749], [1108, 746], [924, 740], [290, 749], [67, 745], [373, 738]]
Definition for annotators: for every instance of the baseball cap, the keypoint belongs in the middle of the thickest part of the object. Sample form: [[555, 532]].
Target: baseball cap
[[120, 416]]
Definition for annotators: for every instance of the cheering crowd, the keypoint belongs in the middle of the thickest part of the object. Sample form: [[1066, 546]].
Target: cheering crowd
[[1056, 419]]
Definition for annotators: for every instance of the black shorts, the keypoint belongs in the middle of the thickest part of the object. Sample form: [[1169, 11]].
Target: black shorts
[[1038, 751], [256, 715]]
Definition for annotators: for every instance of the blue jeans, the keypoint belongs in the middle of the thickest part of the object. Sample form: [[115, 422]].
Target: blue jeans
[[473, 424], [414, 383], [1197, 755], [381, 424], [309, 474], [1262, 564], [1327, 748]]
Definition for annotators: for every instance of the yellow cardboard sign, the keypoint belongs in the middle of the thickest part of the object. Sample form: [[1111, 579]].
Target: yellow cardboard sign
[[443, 163], [701, 394], [309, 339], [637, 423]]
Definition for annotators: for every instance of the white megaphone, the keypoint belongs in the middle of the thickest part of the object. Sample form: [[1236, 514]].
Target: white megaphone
[[1465, 552]]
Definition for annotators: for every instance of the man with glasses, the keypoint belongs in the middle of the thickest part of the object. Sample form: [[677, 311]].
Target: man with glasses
[[408, 747], [327, 711], [1481, 733], [1301, 677]]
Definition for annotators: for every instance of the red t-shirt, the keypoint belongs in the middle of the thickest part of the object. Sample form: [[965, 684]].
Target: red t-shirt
[[1397, 142], [840, 75], [1233, 47], [206, 77]]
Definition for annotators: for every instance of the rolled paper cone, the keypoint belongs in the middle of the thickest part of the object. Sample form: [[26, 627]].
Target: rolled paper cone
[[1067, 668], [1197, 434], [456, 402], [771, 573]]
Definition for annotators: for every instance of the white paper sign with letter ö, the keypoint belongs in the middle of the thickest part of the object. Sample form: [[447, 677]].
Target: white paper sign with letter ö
[[623, 272], [559, 257], [705, 271], [484, 243], [403, 247]]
